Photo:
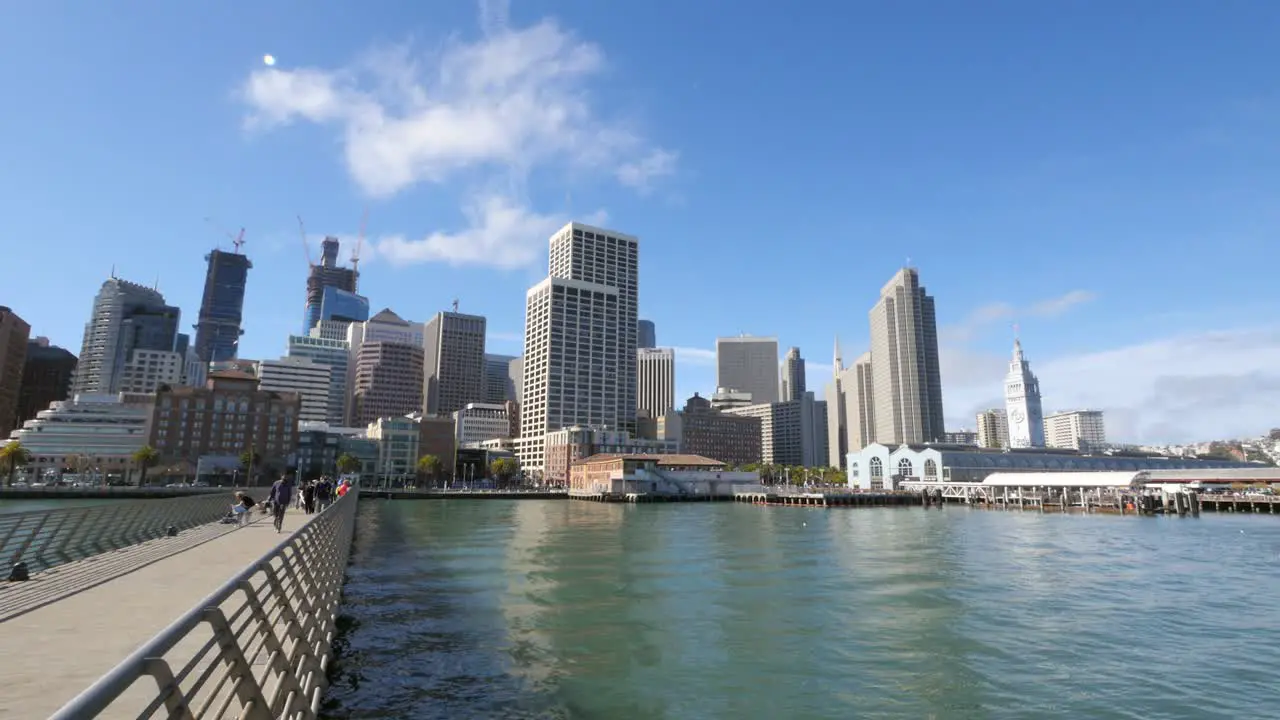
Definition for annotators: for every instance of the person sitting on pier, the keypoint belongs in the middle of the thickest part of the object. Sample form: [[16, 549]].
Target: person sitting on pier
[[240, 511]]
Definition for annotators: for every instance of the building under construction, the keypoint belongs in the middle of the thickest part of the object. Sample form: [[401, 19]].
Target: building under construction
[[218, 327], [324, 275]]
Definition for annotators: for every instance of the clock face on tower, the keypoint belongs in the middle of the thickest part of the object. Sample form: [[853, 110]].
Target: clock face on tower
[[1017, 415]]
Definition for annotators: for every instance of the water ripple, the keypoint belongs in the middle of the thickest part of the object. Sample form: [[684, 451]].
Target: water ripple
[[544, 609]]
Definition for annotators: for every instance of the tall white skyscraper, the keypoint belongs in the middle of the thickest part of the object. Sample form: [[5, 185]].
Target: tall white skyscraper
[[993, 428], [311, 380], [906, 379], [580, 339], [1081, 430], [748, 364], [655, 380], [335, 354], [1022, 403]]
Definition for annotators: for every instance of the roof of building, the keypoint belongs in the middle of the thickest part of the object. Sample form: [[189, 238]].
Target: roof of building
[[678, 459], [1067, 479], [385, 315], [232, 375], [1261, 473]]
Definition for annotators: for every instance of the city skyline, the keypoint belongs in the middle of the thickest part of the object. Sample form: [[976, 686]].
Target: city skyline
[[1003, 193]]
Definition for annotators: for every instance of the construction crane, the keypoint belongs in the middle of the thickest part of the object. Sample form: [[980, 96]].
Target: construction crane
[[306, 248], [237, 240], [355, 254]]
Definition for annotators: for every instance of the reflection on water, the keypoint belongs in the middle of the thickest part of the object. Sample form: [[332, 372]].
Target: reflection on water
[[555, 609]]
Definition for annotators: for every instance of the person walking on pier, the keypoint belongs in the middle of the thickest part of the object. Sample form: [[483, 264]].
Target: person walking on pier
[[324, 493], [309, 497], [281, 494]]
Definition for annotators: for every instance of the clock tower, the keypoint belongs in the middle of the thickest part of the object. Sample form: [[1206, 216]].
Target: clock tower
[[1022, 403]]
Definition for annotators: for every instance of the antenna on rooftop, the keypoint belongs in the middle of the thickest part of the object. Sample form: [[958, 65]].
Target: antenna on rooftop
[[455, 304]]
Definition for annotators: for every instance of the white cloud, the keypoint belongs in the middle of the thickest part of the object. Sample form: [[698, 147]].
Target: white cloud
[[499, 233], [481, 114], [1192, 387], [640, 174], [987, 315]]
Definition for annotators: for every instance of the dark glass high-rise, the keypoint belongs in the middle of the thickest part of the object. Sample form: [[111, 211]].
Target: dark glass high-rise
[[218, 327]]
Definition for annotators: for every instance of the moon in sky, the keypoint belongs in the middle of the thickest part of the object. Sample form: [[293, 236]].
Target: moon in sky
[[268, 60]]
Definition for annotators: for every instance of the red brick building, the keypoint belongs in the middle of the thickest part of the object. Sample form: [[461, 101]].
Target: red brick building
[[227, 417]]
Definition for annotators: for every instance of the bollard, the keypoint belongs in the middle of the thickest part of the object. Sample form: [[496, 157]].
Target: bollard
[[171, 531], [19, 573]]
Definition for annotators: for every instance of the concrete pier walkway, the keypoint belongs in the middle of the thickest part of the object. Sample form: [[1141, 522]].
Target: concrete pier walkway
[[50, 654]]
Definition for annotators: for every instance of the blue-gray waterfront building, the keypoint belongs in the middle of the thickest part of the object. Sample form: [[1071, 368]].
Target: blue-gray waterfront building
[[218, 328]]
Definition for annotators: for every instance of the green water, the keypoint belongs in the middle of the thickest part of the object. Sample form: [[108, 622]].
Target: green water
[[559, 609]]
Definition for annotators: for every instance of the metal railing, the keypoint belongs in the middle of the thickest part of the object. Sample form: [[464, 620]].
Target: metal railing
[[19, 492], [45, 538], [257, 648]]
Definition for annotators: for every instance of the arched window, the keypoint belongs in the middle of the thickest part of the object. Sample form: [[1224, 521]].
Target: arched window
[[904, 467], [930, 469], [877, 468], [853, 469]]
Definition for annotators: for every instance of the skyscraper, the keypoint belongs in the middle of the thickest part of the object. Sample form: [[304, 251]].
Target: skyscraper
[[453, 362], [850, 408], [388, 381], [792, 375], [748, 364], [126, 339], [1022, 402], [335, 354], [993, 428], [1082, 430], [217, 326], [904, 361], [655, 380], [385, 371], [310, 380], [338, 305], [647, 334], [46, 378], [14, 332], [326, 274], [501, 378], [580, 339]]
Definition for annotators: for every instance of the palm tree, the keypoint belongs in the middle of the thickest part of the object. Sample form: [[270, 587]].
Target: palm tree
[[249, 460], [13, 456], [429, 465], [146, 456]]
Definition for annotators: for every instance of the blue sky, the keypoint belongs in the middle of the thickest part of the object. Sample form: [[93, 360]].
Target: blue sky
[[1102, 173]]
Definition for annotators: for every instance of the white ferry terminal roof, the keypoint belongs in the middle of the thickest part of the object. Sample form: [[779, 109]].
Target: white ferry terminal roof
[[1067, 479]]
